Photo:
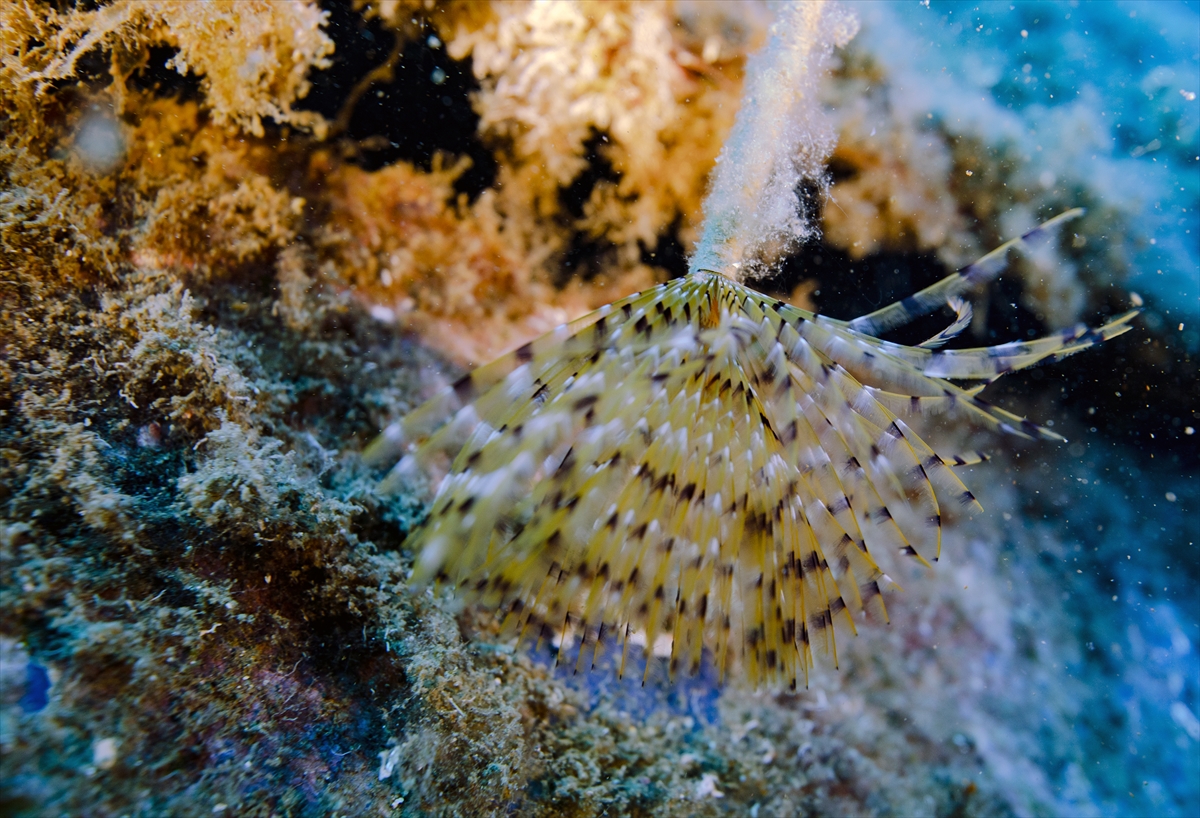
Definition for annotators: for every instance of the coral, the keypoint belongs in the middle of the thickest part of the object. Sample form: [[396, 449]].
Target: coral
[[584, 104], [464, 276], [937, 148], [400, 242], [175, 534], [66, 201], [44, 229]]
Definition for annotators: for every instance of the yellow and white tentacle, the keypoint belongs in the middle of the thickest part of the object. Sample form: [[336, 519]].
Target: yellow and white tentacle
[[700, 467]]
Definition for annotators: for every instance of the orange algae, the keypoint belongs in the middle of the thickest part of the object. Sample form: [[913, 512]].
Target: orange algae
[[253, 57], [554, 76], [567, 92]]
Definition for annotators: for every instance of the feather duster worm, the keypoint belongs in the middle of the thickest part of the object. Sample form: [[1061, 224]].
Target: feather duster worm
[[699, 466]]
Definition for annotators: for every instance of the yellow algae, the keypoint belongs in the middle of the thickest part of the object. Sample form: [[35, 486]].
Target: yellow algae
[[206, 201], [253, 57], [554, 75]]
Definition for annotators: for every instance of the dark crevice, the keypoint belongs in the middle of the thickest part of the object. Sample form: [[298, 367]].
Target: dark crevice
[[425, 108], [810, 199], [92, 74], [840, 170], [68, 6], [668, 252], [360, 46], [574, 196], [1141, 388], [585, 257], [849, 287], [165, 83]]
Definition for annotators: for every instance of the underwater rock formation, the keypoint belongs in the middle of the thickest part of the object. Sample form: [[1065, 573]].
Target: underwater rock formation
[[203, 603]]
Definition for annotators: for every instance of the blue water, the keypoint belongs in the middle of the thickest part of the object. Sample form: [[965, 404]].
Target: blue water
[[1103, 96]]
